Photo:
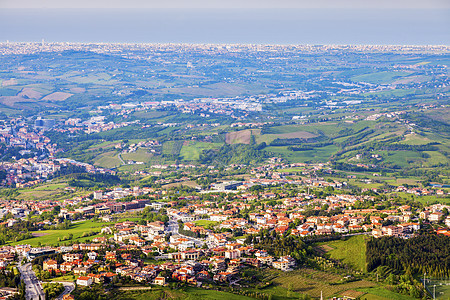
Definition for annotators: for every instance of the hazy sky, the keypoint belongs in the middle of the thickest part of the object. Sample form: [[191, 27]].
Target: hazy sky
[[230, 21], [361, 4]]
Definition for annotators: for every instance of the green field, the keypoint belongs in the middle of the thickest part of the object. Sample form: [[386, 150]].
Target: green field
[[50, 237], [205, 223], [54, 190], [380, 77], [140, 155], [381, 293], [189, 293], [108, 160], [192, 149], [291, 285], [427, 200], [322, 154], [351, 251], [172, 147], [442, 288]]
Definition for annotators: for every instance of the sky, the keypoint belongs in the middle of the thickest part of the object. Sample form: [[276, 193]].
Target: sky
[[233, 21]]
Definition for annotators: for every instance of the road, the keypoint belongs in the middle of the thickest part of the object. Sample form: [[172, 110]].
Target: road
[[172, 227], [68, 288], [121, 160], [33, 288]]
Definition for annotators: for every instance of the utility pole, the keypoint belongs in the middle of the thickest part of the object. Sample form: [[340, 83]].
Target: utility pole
[[434, 292], [424, 286]]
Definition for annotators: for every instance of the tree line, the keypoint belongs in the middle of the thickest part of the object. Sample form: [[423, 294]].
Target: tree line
[[422, 254]]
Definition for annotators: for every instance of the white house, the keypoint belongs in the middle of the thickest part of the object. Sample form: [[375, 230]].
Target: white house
[[84, 281]]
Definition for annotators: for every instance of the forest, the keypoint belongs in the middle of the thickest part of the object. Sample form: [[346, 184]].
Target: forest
[[428, 254]]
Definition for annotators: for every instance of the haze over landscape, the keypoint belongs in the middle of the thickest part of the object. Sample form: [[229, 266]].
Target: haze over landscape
[[267, 22]]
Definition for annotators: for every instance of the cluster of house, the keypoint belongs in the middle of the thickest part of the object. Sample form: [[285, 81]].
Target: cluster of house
[[219, 264], [30, 170], [420, 191], [27, 172]]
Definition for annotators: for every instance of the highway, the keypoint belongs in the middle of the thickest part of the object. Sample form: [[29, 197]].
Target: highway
[[33, 288]]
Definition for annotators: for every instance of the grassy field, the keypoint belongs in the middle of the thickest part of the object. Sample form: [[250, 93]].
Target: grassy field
[[427, 200], [55, 190], [291, 285], [108, 160], [318, 155], [172, 147], [351, 251], [140, 155], [414, 139], [188, 183], [442, 288], [50, 237], [205, 222], [191, 150], [189, 293], [376, 293], [268, 138], [239, 137], [380, 77], [70, 278]]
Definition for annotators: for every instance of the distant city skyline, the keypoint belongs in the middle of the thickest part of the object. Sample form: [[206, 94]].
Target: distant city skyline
[[415, 24]]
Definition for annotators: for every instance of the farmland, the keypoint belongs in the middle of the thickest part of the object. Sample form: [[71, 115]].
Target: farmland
[[292, 285]]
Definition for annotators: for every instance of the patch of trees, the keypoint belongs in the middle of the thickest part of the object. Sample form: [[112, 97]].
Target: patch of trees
[[69, 169], [356, 138], [233, 154], [401, 147], [148, 215], [278, 245], [19, 231], [426, 122], [354, 168], [8, 279], [53, 290], [289, 142], [9, 193], [308, 147], [93, 179], [423, 254]]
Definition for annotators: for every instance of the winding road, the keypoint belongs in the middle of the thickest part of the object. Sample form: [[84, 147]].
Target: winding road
[[68, 288]]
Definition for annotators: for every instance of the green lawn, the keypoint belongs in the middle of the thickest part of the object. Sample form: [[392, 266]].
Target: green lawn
[[351, 251], [205, 222], [70, 278]]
